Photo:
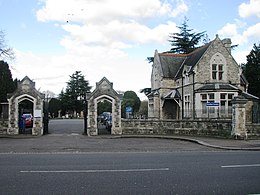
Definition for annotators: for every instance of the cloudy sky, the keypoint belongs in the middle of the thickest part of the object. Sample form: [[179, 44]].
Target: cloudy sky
[[54, 38]]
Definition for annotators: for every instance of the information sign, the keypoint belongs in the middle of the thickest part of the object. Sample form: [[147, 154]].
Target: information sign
[[128, 109], [213, 104]]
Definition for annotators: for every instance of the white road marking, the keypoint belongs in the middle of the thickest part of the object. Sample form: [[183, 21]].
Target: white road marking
[[240, 166], [95, 171]]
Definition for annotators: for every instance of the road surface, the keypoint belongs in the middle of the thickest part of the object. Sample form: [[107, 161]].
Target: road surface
[[185, 172], [71, 126]]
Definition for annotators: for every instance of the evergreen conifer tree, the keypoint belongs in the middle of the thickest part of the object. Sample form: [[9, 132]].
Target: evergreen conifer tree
[[186, 40], [252, 71], [7, 84], [73, 97]]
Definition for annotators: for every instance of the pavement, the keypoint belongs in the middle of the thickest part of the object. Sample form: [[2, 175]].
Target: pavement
[[217, 143]]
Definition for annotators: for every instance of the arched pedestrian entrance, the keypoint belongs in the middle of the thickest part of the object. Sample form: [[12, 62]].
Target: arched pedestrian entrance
[[104, 92], [25, 114], [104, 112], [25, 109]]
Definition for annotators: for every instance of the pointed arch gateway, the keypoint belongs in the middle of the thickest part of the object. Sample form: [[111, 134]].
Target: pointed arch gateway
[[104, 91], [25, 100]]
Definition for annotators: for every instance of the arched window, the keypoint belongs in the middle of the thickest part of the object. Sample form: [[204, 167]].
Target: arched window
[[218, 66]]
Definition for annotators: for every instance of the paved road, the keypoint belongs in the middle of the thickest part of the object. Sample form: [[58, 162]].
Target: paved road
[[66, 126], [71, 126], [190, 172]]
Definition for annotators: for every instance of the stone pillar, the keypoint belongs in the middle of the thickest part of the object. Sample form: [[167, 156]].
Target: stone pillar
[[116, 118], [239, 118], [157, 106], [92, 115]]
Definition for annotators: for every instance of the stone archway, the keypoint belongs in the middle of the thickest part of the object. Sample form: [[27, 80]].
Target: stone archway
[[25, 106], [25, 93], [104, 91]]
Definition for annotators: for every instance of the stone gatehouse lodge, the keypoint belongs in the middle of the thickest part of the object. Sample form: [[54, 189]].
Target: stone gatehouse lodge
[[200, 84]]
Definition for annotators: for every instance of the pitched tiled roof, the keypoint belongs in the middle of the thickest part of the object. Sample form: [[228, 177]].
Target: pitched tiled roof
[[193, 58], [172, 64], [250, 96], [173, 94], [243, 79]]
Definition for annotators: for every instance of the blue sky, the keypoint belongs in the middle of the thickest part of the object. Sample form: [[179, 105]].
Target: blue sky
[[54, 38]]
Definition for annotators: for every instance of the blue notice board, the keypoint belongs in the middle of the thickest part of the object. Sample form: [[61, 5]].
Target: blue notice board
[[128, 109], [213, 104]]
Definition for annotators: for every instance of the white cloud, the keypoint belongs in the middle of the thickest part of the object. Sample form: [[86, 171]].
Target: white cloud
[[119, 35], [180, 9], [228, 30], [45, 70], [102, 11], [111, 23], [246, 36], [231, 31], [250, 9], [240, 56], [253, 31]]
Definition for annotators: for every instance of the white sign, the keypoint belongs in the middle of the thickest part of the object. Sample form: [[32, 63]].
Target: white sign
[[37, 113]]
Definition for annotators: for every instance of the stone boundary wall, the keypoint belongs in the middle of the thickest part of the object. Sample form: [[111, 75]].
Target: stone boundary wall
[[205, 127], [3, 126], [215, 128], [199, 127], [253, 130]]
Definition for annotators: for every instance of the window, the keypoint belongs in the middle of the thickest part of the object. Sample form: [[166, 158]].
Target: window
[[214, 71], [187, 105], [225, 103], [217, 71], [222, 109], [220, 72], [204, 103], [211, 98], [218, 63], [205, 98], [230, 97], [186, 78]]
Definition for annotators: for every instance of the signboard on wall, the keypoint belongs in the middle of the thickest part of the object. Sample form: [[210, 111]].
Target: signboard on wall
[[212, 103], [37, 113], [128, 109]]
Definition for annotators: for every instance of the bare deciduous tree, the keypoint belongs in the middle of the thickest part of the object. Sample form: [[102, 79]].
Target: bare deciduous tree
[[5, 51]]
